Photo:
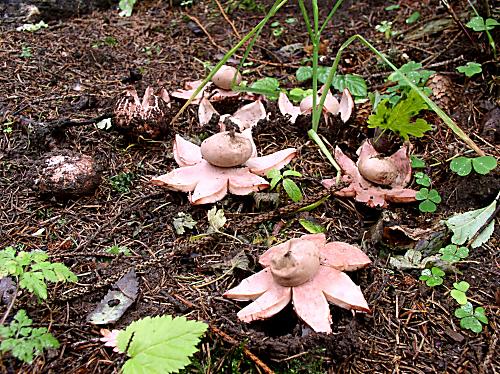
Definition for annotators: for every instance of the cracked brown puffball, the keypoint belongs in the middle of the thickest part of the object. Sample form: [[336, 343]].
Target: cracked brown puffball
[[295, 263], [226, 149], [224, 77], [67, 175]]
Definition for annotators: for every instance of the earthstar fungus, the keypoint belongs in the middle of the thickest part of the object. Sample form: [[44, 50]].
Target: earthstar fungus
[[374, 179], [308, 271], [239, 170]]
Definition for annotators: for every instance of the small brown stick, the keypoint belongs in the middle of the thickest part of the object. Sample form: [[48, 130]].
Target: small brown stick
[[257, 361], [457, 20], [212, 41], [223, 12]]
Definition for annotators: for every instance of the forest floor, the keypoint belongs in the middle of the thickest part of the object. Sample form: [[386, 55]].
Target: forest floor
[[75, 69]]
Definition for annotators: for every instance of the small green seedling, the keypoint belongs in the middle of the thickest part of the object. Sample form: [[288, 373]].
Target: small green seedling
[[126, 7], [163, 342], [23, 341], [451, 253], [311, 227], [430, 199], [432, 277], [481, 165], [289, 185], [122, 182], [32, 271], [413, 72], [277, 29], [422, 179], [385, 27], [392, 7], [26, 52], [417, 163], [458, 292], [470, 69], [414, 17], [117, 249], [298, 94], [480, 24], [471, 319]]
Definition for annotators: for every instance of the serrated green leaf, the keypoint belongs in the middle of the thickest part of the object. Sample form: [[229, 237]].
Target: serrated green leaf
[[464, 226], [459, 296], [292, 189], [398, 118], [304, 73], [35, 283], [273, 173], [483, 165], [159, 344], [182, 221], [311, 227], [461, 165], [470, 69]]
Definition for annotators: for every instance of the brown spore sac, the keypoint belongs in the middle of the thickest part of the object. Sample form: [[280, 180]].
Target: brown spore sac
[[67, 175]]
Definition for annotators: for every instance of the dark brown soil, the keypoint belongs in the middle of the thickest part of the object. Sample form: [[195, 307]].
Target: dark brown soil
[[78, 68]]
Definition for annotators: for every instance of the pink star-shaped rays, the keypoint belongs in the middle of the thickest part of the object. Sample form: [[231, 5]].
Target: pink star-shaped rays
[[326, 282], [209, 183]]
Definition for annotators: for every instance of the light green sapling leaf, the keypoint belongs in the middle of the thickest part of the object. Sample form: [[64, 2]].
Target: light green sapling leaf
[[292, 190], [311, 227], [275, 177], [479, 314], [432, 277], [461, 165], [465, 225], [160, 344], [399, 118], [472, 324], [470, 69], [483, 165]]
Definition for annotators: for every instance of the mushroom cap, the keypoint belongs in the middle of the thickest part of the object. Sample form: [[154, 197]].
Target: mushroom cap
[[224, 77], [296, 263], [226, 149], [379, 170]]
